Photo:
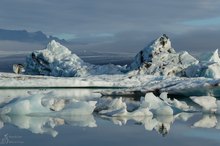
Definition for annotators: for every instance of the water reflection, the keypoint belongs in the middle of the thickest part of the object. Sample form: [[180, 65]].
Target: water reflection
[[160, 124], [46, 124]]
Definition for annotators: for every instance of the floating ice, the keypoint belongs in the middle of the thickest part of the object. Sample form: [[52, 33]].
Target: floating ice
[[154, 113], [54, 103], [208, 103], [149, 105], [42, 104]]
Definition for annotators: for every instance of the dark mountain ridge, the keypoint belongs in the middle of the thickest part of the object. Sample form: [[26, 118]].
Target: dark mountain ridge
[[25, 36]]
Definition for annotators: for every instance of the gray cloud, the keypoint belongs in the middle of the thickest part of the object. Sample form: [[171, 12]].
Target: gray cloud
[[198, 41], [132, 23], [98, 16]]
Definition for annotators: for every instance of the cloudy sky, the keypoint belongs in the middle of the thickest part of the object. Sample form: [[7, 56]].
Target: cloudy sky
[[118, 25]]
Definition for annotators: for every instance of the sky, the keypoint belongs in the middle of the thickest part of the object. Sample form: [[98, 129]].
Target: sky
[[118, 25]]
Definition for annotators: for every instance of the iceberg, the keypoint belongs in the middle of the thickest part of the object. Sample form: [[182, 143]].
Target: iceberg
[[159, 58], [207, 103], [57, 60]]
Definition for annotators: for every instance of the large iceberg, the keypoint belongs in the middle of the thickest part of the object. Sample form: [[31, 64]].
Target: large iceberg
[[159, 58], [57, 60]]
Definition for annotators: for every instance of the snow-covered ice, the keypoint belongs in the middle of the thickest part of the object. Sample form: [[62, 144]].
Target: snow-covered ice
[[57, 60], [159, 58]]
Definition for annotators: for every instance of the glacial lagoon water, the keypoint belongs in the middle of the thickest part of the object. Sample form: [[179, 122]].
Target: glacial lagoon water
[[185, 129]]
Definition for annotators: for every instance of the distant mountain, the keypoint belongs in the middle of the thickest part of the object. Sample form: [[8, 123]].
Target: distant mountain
[[25, 36]]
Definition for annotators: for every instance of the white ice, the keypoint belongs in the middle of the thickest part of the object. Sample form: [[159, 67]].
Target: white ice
[[47, 104]]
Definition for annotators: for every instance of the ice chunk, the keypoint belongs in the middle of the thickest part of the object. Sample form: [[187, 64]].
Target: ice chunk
[[208, 67], [141, 112], [116, 108], [175, 103], [156, 105], [208, 103]]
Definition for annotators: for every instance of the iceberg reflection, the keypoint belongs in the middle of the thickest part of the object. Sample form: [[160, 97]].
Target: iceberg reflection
[[40, 111], [46, 125], [161, 124]]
